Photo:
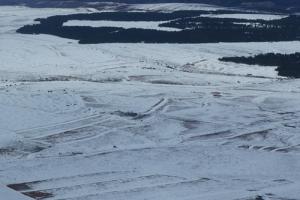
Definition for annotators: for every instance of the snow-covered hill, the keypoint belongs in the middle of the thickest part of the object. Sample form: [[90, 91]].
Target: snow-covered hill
[[271, 5], [143, 121]]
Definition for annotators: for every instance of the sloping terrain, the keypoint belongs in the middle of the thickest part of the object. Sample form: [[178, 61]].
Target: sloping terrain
[[143, 121], [267, 5]]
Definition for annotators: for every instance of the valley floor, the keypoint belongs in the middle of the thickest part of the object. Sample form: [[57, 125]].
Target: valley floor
[[143, 121]]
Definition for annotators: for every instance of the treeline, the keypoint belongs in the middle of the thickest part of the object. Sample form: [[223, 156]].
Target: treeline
[[195, 29], [219, 23], [290, 23], [288, 65], [58, 20]]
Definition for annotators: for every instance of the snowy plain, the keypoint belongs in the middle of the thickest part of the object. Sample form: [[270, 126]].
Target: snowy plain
[[133, 24], [247, 16], [173, 7], [143, 121]]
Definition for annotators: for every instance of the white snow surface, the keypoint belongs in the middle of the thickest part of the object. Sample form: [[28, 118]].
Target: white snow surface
[[8, 138], [143, 121], [266, 17], [9, 194], [121, 24], [173, 7]]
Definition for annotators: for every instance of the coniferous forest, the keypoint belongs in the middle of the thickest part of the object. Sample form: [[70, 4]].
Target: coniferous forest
[[193, 28], [287, 64]]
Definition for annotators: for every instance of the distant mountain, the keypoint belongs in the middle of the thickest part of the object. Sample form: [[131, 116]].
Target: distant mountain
[[270, 5], [281, 5]]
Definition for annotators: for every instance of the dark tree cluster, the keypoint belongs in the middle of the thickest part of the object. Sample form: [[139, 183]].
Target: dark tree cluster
[[288, 65], [194, 28]]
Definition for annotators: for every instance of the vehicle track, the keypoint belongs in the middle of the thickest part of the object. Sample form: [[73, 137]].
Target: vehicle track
[[155, 191], [91, 184]]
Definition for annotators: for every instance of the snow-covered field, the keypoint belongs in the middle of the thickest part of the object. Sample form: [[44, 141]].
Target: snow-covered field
[[267, 17], [143, 121], [122, 24], [173, 7]]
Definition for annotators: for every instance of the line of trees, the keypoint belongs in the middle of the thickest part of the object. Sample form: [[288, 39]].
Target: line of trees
[[195, 29], [288, 65]]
